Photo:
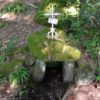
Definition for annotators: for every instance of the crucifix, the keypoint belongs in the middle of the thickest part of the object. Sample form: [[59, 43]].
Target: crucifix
[[53, 21]]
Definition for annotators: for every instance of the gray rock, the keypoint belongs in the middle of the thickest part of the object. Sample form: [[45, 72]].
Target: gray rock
[[84, 78], [68, 71], [38, 70], [85, 73]]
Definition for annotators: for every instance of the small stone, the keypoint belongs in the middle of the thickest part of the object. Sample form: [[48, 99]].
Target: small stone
[[85, 73], [68, 71], [38, 70]]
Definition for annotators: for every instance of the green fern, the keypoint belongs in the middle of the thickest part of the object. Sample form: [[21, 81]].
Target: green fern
[[19, 76]]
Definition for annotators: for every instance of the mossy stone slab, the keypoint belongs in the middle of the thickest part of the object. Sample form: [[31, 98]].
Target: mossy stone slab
[[50, 49]]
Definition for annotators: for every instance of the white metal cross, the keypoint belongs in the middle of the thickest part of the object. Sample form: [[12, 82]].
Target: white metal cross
[[53, 21]]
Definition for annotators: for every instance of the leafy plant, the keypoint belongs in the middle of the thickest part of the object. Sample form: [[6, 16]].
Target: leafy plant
[[86, 27], [92, 46], [19, 76], [16, 7]]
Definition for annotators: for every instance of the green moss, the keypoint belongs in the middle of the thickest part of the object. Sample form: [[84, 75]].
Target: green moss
[[43, 48], [20, 50], [8, 67]]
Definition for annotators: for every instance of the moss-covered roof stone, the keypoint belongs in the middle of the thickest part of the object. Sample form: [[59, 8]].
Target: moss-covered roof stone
[[48, 49]]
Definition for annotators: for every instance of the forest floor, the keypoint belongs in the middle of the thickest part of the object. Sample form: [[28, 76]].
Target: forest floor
[[22, 24], [52, 88]]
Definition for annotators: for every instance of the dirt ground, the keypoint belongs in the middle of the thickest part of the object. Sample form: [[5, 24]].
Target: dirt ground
[[22, 25], [89, 92], [53, 88]]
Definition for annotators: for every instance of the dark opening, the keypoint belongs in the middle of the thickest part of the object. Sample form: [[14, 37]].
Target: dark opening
[[53, 71], [52, 87]]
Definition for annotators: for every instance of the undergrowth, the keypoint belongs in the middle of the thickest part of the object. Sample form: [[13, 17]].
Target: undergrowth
[[16, 8]]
